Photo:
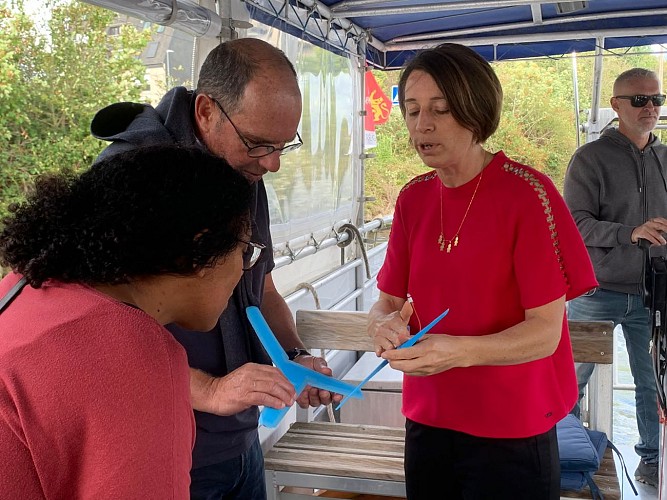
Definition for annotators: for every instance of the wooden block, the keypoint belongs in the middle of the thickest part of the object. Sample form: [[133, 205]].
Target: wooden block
[[592, 341]]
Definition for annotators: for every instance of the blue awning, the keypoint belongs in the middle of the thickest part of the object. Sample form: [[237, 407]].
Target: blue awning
[[390, 32]]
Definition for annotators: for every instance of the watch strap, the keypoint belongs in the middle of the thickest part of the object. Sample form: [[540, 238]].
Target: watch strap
[[292, 354]]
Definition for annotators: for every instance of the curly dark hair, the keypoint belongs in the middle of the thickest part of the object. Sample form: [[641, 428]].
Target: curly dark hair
[[146, 212]]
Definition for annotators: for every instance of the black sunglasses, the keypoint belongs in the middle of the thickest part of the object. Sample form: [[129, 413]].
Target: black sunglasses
[[639, 101], [261, 149], [252, 254]]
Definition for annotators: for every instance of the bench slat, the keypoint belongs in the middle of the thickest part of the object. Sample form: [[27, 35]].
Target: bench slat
[[344, 330], [351, 430], [357, 465], [341, 445]]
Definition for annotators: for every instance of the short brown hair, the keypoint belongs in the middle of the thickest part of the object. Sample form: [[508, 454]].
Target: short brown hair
[[468, 83]]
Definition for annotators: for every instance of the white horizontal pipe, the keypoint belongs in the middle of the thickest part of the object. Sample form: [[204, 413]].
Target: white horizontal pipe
[[535, 37], [526, 24], [437, 7], [350, 5]]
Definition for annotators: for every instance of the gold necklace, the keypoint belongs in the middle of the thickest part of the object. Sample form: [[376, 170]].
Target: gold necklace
[[442, 241]]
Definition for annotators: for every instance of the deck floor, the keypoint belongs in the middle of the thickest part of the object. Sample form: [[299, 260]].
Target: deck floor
[[631, 460]]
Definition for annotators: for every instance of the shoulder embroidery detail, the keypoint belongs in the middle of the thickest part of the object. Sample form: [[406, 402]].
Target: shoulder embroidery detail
[[539, 188], [420, 178]]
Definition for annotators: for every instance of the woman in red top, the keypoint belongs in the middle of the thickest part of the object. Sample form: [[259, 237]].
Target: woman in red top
[[493, 241]]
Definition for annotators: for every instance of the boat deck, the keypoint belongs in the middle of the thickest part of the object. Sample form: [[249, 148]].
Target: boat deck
[[631, 460]]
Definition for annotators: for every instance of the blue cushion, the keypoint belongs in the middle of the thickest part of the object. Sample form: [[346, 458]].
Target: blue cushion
[[600, 441], [577, 451], [572, 481], [580, 452]]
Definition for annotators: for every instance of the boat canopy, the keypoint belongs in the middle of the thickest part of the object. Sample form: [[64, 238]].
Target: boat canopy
[[386, 33], [498, 29]]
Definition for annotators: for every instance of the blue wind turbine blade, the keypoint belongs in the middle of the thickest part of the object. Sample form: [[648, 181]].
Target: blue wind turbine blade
[[298, 375], [295, 371], [408, 343], [417, 336], [271, 417], [269, 341]]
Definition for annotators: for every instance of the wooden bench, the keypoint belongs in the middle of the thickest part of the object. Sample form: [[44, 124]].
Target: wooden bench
[[368, 460]]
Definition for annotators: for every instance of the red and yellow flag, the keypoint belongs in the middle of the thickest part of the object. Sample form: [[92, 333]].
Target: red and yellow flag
[[378, 107]]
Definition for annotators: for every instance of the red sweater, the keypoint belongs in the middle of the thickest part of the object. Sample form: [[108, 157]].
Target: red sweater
[[518, 249], [94, 399]]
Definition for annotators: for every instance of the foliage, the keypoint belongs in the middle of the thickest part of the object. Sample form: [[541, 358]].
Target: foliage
[[537, 126], [52, 82]]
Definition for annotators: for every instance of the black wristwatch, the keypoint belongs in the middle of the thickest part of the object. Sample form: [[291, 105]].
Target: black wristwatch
[[292, 354]]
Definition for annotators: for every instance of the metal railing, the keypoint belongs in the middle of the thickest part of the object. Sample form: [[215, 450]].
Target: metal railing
[[304, 246]]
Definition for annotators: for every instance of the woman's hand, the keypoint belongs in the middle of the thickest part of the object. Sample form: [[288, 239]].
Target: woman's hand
[[389, 330], [433, 354], [536, 337]]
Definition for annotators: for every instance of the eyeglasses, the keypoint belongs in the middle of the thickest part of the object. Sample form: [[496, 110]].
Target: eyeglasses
[[639, 101], [252, 254], [261, 149]]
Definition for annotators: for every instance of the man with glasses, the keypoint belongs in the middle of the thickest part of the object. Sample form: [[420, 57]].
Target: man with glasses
[[616, 188], [246, 108]]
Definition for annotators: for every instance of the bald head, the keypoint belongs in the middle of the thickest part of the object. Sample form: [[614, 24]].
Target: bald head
[[231, 66]]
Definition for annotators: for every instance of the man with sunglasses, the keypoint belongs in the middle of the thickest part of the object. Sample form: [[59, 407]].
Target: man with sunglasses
[[616, 188], [246, 108]]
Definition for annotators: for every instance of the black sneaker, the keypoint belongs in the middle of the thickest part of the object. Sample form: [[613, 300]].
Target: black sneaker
[[647, 474]]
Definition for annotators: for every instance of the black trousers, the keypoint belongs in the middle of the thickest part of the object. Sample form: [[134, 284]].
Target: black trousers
[[442, 464]]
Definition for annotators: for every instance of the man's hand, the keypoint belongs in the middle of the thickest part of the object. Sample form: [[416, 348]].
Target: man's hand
[[250, 385], [312, 396], [651, 230]]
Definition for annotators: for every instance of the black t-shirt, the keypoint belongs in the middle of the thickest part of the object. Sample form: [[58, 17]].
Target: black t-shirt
[[228, 346]]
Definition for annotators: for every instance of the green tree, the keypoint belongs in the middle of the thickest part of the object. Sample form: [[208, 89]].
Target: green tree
[[537, 124], [52, 81]]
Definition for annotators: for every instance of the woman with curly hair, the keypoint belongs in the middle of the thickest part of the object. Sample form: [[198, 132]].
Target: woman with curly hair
[[94, 392]]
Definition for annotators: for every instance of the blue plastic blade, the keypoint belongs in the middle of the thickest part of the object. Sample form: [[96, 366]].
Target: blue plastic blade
[[266, 336], [298, 375], [271, 417], [408, 343]]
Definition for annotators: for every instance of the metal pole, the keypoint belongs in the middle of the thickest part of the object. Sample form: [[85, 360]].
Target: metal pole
[[593, 130], [168, 72], [575, 86]]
